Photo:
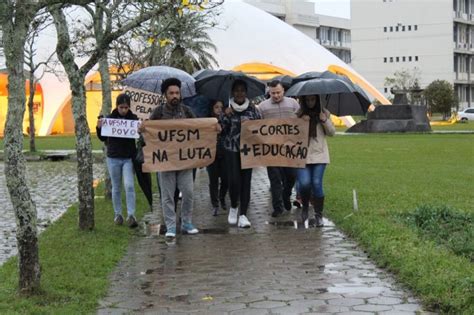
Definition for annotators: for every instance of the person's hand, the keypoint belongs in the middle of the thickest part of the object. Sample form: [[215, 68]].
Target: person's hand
[[323, 117], [99, 123], [141, 128], [228, 111], [306, 117], [218, 128]]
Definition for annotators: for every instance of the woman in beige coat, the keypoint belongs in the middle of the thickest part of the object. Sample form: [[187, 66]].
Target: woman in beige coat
[[310, 178]]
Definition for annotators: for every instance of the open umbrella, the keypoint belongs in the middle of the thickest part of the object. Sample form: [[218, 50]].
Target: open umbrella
[[285, 80], [203, 73], [341, 97], [150, 79], [218, 86]]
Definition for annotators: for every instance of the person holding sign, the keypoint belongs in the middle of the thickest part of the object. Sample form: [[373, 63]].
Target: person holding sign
[[120, 154], [217, 169], [282, 179], [239, 179], [310, 178], [172, 180]]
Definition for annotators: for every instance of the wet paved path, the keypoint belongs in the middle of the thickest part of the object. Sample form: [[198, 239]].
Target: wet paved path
[[267, 269], [53, 187]]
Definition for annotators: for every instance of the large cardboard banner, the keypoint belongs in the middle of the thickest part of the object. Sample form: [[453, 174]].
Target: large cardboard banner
[[142, 102], [274, 142], [120, 128], [179, 144]]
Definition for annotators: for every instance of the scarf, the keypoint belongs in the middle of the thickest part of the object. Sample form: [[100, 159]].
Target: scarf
[[239, 108]]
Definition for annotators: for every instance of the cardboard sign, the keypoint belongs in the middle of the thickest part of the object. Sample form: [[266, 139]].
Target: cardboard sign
[[142, 102], [274, 142], [120, 128], [179, 144]]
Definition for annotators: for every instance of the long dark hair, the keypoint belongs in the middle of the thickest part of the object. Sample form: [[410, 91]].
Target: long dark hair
[[313, 114]]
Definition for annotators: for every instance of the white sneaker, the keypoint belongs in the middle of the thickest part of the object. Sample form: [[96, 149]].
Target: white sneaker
[[244, 222], [233, 215]]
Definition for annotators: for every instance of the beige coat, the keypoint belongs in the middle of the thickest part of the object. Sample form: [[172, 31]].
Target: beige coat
[[318, 152]]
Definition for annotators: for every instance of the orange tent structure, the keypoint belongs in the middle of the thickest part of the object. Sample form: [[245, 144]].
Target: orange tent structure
[[38, 104]]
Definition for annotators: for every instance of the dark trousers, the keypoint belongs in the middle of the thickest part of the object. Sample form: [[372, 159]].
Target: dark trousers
[[215, 171], [239, 181], [282, 180]]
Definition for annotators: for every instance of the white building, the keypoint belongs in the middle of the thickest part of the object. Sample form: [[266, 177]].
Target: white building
[[332, 33], [434, 36]]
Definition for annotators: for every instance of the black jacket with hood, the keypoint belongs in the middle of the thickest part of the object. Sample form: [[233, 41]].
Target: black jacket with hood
[[119, 147]]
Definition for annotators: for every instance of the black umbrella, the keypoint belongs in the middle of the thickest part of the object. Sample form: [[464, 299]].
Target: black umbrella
[[203, 73], [218, 86], [307, 76], [285, 80], [150, 79], [341, 97]]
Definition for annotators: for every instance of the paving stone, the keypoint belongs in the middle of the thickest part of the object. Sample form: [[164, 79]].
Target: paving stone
[[407, 307], [267, 269]]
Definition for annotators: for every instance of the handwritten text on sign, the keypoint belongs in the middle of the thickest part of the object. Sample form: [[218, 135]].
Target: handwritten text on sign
[[120, 128], [142, 102], [274, 142], [179, 144]]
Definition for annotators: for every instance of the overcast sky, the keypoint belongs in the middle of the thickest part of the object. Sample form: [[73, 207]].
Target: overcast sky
[[339, 8]]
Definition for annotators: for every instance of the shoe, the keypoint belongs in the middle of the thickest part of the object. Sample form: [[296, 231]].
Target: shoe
[[287, 204], [214, 211], [118, 219], [297, 203], [132, 222], [319, 221], [277, 213], [232, 219], [244, 222], [171, 232], [188, 228]]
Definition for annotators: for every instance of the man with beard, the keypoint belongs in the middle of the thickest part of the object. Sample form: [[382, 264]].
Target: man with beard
[[172, 180], [282, 179]]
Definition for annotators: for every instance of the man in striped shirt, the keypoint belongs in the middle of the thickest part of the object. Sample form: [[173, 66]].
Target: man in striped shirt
[[281, 179]]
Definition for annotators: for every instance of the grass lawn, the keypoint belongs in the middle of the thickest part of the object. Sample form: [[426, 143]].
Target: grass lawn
[[394, 175], [56, 142], [75, 265]]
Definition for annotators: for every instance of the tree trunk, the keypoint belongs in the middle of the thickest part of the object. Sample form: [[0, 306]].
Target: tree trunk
[[15, 28], [106, 109], [84, 154], [31, 113]]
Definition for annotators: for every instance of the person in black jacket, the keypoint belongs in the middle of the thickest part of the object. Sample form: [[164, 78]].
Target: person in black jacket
[[120, 154], [218, 168]]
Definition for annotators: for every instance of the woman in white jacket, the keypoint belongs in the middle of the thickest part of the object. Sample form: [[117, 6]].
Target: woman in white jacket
[[310, 178]]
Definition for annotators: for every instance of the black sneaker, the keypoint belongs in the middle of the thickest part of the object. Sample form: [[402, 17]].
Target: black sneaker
[[118, 220], [277, 213], [132, 222], [214, 211]]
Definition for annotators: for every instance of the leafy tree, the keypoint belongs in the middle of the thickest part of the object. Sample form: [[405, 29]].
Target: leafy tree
[[15, 20], [440, 97], [407, 81]]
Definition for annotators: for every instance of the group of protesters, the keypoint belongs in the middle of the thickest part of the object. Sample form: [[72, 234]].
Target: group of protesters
[[225, 173]]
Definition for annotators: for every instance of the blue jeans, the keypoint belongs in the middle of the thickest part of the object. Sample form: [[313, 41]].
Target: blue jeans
[[310, 180], [119, 168]]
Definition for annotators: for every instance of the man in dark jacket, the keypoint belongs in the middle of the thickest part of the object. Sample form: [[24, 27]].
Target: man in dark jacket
[[120, 154], [172, 180]]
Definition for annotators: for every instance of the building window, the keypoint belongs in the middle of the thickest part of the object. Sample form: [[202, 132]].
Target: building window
[[385, 90], [396, 28], [385, 59], [409, 27], [415, 27], [403, 28], [403, 58], [391, 28], [397, 59], [391, 59], [409, 58], [385, 29], [416, 58]]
